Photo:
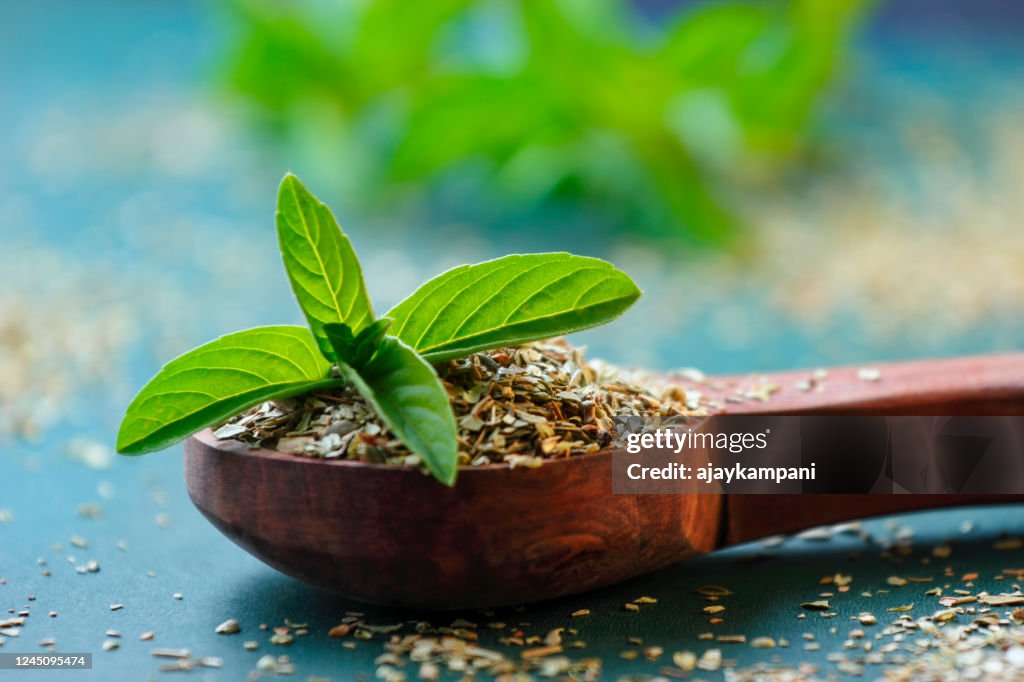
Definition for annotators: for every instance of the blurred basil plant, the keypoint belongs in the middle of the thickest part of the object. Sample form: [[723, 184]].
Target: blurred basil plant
[[651, 122]]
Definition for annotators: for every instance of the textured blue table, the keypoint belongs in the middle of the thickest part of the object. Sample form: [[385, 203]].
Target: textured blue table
[[115, 164], [149, 516]]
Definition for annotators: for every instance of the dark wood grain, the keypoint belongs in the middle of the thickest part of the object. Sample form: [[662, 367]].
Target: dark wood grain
[[394, 536], [391, 535]]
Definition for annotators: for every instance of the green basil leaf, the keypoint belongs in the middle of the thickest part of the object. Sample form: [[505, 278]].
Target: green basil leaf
[[322, 266], [407, 394], [509, 301], [220, 379]]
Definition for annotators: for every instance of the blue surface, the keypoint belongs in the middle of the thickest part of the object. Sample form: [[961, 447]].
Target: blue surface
[[218, 581], [118, 161]]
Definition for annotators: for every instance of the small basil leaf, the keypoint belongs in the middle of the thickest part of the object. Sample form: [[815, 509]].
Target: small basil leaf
[[220, 379], [355, 350], [407, 395], [342, 341], [322, 266], [510, 300], [369, 340]]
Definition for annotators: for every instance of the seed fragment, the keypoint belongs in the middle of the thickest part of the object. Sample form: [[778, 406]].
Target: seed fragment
[[653, 653], [541, 651], [429, 671], [711, 660], [228, 627], [342, 630], [869, 374], [685, 660], [732, 639], [282, 639]]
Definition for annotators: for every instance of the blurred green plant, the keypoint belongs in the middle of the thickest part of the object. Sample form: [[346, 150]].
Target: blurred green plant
[[531, 101]]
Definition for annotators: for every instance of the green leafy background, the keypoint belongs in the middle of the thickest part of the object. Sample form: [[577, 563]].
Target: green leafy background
[[525, 103]]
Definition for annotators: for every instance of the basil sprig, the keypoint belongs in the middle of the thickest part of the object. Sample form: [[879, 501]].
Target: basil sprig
[[471, 308]]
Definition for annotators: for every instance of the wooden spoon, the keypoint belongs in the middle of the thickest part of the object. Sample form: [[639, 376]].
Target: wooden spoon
[[391, 535]]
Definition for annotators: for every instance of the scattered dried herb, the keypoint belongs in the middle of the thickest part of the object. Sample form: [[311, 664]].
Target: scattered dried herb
[[228, 627]]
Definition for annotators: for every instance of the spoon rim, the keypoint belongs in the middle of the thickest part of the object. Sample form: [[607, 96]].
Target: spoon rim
[[237, 447]]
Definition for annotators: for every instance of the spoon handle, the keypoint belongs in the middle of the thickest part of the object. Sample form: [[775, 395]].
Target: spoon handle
[[980, 385], [750, 517]]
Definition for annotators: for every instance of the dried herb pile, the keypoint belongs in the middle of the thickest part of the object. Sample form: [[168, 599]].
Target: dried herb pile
[[419, 650], [515, 405]]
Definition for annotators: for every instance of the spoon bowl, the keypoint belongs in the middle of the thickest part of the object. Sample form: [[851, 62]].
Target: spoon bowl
[[394, 536]]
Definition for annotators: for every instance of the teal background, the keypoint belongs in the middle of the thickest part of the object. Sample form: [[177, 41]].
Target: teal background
[[136, 222]]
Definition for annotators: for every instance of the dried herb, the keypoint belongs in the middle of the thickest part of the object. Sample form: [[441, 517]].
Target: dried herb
[[517, 406], [512, 300], [228, 627]]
